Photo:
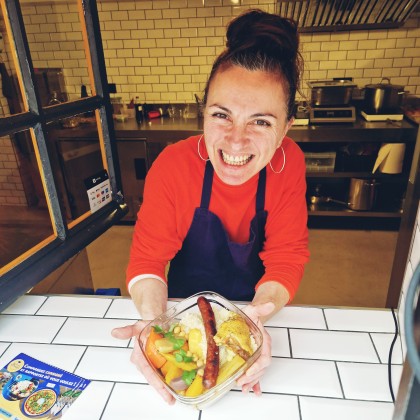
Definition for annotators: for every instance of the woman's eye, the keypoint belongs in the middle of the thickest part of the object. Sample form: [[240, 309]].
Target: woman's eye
[[219, 115], [262, 123]]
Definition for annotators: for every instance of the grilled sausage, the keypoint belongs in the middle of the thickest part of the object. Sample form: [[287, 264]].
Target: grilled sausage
[[211, 369]]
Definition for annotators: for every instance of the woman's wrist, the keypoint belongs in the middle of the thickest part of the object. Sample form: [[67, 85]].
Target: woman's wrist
[[150, 297], [274, 292]]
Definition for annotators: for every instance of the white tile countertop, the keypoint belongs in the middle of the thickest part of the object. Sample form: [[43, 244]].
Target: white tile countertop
[[328, 363]]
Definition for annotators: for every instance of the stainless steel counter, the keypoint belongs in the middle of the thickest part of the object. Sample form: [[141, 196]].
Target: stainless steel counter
[[166, 129], [173, 129]]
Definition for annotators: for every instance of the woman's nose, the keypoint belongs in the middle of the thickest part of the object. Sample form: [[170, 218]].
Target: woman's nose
[[236, 133]]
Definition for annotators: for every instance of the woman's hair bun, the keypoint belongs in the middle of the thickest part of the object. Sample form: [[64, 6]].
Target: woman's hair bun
[[257, 40], [260, 31]]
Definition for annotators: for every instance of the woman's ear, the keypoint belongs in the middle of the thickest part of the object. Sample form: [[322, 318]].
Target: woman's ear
[[289, 124]]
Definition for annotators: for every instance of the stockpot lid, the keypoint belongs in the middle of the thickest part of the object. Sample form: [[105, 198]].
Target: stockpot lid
[[315, 84], [385, 86]]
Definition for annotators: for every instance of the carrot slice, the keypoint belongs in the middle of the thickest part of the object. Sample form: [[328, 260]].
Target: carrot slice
[[152, 353]]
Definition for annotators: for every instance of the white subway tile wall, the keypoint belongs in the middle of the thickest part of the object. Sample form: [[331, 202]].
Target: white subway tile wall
[[162, 51]]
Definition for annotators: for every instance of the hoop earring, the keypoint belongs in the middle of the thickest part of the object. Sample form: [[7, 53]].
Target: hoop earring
[[198, 149], [284, 162]]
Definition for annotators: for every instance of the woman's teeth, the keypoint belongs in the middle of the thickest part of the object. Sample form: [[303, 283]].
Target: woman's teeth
[[236, 160]]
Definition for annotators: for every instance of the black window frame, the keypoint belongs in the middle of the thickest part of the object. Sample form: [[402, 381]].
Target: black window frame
[[25, 274]]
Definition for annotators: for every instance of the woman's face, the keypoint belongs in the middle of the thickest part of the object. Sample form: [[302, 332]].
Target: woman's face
[[245, 120]]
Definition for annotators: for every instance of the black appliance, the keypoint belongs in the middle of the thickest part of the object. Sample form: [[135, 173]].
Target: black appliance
[[50, 84]]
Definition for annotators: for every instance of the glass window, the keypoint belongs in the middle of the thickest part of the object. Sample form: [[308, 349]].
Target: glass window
[[76, 156], [56, 45], [24, 215], [54, 136], [11, 101]]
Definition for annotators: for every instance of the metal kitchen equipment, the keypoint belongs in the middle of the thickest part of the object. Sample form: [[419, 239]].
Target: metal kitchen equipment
[[50, 82], [330, 100], [383, 98], [345, 114], [343, 15], [382, 117], [335, 92], [362, 193]]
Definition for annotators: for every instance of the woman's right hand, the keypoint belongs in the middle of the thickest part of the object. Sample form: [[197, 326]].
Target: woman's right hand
[[139, 360]]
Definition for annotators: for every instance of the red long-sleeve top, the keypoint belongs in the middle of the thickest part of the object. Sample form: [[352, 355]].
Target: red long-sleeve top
[[173, 191]]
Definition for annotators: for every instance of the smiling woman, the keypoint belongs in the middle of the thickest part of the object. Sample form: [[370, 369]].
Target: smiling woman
[[225, 209], [244, 127]]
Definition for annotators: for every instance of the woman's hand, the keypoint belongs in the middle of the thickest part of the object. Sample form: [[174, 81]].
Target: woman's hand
[[139, 360], [251, 378]]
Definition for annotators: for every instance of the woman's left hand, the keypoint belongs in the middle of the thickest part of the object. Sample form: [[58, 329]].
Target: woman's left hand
[[251, 378]]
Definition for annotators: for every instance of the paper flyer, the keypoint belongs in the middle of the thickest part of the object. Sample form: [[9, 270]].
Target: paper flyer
[[33, 389]]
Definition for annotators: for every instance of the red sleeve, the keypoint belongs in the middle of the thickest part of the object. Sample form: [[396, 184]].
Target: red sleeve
[[167, 210], [285, 250]]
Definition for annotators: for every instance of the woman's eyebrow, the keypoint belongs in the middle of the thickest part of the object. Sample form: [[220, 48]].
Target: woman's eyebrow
[[221, 107], [262, 114], [258, 114]]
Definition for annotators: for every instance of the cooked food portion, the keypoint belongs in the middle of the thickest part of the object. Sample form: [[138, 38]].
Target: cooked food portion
[[212, 340], [22, 389], [40, 402], [235, 335]]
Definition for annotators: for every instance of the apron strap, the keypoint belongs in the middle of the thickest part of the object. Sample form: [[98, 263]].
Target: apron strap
[[207, 184], [260, 200]]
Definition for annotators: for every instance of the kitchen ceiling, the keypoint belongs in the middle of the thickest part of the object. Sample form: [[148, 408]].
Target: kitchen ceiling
[[344, 15]]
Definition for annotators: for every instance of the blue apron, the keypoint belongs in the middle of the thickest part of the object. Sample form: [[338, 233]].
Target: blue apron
[[208, 260]]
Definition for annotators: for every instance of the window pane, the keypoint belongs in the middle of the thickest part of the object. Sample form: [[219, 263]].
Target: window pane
[[24, 216], [10, 96], [57, 50], [75, 155]]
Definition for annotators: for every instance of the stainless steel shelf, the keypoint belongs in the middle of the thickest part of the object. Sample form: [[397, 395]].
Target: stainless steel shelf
[[336, 212]]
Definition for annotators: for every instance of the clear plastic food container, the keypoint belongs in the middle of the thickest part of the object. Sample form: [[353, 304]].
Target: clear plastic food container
[[173, 316]]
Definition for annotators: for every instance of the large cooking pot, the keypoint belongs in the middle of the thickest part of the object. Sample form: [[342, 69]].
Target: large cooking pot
[[362, 193], [361, 196], [383, 98]]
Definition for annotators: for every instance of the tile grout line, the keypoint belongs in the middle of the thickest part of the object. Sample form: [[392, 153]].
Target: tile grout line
[[325, 319], [6, 348], [58, 332], [107, 400], [107, 310], [321, 329], [299, 395], [290, 343], [80, 359], [299, 407], [42, 304], [329, 360], [374, 347], [339, 380]]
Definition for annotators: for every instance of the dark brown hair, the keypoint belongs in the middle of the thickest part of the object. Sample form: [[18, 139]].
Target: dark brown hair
[[257, 40]]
